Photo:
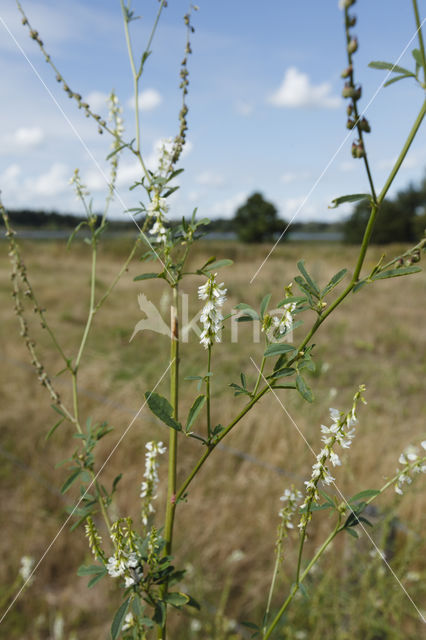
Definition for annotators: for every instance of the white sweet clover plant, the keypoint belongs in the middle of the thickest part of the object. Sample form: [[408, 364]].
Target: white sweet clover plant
[[138, 557]]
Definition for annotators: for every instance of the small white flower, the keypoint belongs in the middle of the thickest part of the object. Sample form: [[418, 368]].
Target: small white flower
[[129, 621], [27, 563], [211, 316], [150, 482], [196, 625], [128, 581]]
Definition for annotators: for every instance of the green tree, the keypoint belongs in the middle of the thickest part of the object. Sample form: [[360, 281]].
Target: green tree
[[257, 220], [402, 219]]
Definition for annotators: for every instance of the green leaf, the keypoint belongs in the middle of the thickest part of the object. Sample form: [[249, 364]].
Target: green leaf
[[334, 282], [264, 304], [209, 261], [147, 276], [177, 599], [303, 389], [359, 285], [389, 66], [162, 408], [305, 274], [193, 378], [53, 429], [251, 625], [69, 481], [289, 300], [118, 619], [218, 264], [394, 273], [89, 570], [194, 411], [96, 579], [159, 613], [277, 348], [354, 197], [282, 373], [351, 532], [249, 312], [368, 493], [58, 410], [417, 57], [396, 78]]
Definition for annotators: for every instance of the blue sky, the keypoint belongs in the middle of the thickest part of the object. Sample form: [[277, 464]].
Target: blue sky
[[265, 106]]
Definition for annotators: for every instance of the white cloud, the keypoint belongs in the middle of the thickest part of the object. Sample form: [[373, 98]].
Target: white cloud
[[297, 207], [149, 99], [9, 178], [296, 90], [128, 173], [95, 181], [52, 183], [347, 165], [210, 179], [28, 138], [244, 108], [97, 100], [227, 208], [293, 176]]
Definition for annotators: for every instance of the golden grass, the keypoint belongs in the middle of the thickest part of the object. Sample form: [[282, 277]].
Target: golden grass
[[376, 337]]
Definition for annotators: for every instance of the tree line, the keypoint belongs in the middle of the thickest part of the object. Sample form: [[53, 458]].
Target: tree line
[[401, 219]]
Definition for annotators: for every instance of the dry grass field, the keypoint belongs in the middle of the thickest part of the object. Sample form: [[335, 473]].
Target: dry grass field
[[377, 337]]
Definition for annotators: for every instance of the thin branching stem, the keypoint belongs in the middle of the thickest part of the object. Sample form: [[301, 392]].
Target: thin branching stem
[[420, 38]]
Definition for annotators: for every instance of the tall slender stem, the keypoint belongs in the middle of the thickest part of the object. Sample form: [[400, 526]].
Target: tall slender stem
[[259, 377], [420, 37], [91, 307], [174, 398], [355, 108], [209, 360]]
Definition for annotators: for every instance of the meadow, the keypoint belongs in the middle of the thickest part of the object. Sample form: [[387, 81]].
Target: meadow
[[224, 537]]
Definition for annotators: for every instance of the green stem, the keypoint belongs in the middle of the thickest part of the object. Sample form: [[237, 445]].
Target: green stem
[[136, 77], [295, 587], [355, 108], [174, 397], [91, 307], [403, 153], [209, 360], [299, 558], [259, 377], [420, 37], [278, 561]]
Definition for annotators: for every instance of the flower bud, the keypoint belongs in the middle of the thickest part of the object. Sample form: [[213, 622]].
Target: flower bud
[[351, 21], [353, 149], [357, 93], [346, 72], [350, 124], [360, 151], [353, 45], [349, 109], [348, 90], [364, 125]]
